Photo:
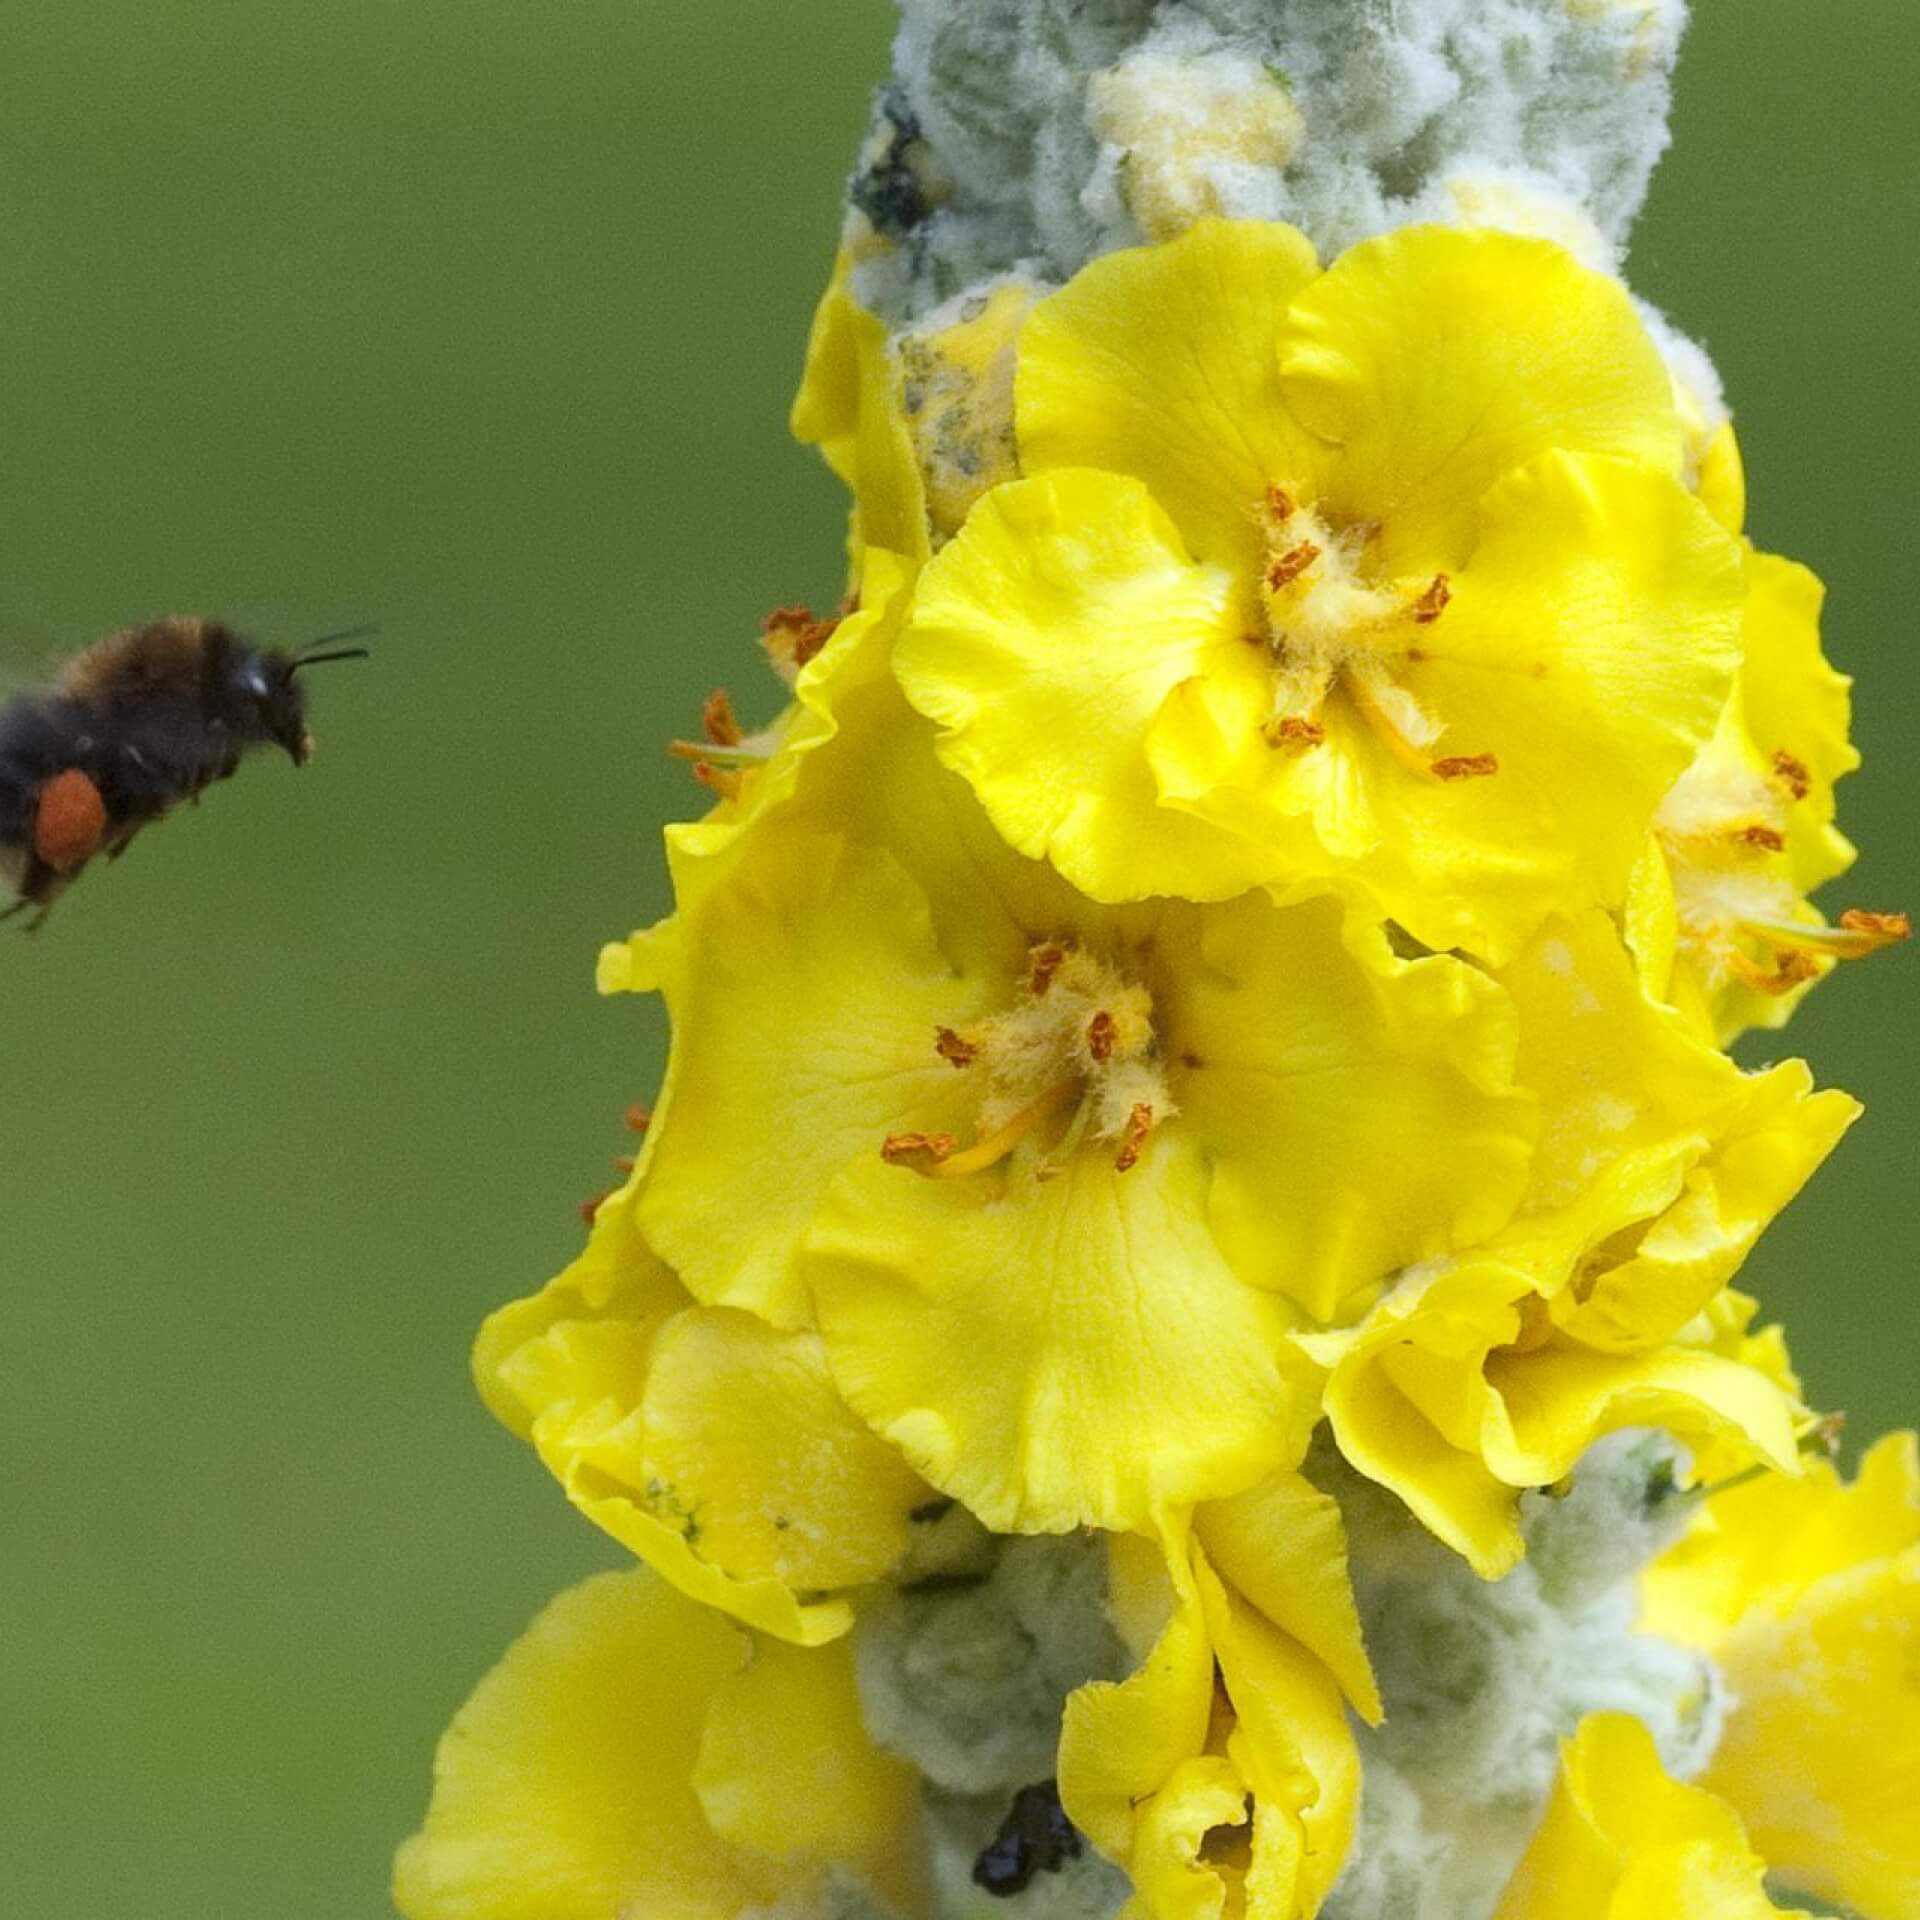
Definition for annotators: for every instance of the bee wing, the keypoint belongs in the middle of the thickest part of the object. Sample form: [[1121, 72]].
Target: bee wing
[[30, 655]]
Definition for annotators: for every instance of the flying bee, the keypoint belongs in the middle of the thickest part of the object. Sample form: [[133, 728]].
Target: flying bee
[[132, 725]]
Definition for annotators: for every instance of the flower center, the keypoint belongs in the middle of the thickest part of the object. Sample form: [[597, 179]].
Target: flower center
[[1332, 628], [1724, 830], [1076, 1047]]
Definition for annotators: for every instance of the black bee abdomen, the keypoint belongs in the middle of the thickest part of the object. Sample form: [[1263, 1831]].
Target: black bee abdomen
[[1035, 1837]]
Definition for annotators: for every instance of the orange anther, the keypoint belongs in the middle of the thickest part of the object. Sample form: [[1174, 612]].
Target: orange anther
[[1293, 730], [1792, 967], [725, 781], [1767, 837], [1466, 766], [589, 1207], [1133, 1137], [717, 720], [952, 1048], [638, 1118], [909, 1149], [1886, 928], [623, 1162], [1280, 503], [1292, 564], [1046, 961], [1433, 603], [1101, 1035], [1794, 772]]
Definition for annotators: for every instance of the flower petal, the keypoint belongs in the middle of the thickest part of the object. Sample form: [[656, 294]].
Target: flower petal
[[1357, 1109], [1159, 362], [1114, 1364], [1437, 361], [1044, 640], [546, 1806], [1621, 1841]]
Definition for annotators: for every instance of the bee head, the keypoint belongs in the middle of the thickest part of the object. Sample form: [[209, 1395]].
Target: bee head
[[266, 700]]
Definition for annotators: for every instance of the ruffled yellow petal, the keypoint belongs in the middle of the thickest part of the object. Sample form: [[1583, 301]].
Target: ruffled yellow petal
[[1437, 361], [710, 1444], [1160, 362], [1581, 658], [1807, 1593], [1044, 640], [1456, 1393], [1722, 480], [1282, 1547], [563, 1790], [1231, 1798], [850, 407], [1122, 1741], [1114, 1363], [1621, 1841], [786, 1768], [1358, 1116], [1294, 1749], [804, 1022], [1659, 1161]]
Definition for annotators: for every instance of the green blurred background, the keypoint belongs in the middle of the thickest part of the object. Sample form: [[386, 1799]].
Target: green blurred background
[[480, 318]]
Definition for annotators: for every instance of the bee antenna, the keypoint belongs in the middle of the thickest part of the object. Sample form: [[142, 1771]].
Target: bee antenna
[[311, 651], [339, 653]]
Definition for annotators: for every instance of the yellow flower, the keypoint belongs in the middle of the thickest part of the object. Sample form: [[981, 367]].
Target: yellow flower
[[635, 1755], [1718, 913], [1807, 1594], [709, 1443], [1621, 1841], [850, 407], [1659, 1164], [1235, 1796], [1381, 576], [1091, 1149]]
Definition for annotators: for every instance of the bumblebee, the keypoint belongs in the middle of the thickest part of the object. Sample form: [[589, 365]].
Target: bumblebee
[[142, 719]]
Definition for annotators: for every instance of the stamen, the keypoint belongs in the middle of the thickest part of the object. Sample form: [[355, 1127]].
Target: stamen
[[1433, 603], [953, 1049], [718, 721], [792, 636], [1292, 564], [1373, 693], [638, 1118], [934, 1156], [1291, 730], [1794, 773], [1858, 933], [1133, 1137], [1791, 968], [1101, 1034], [746, 754], [1757, 836], [1280, 503], [911, 1149], [1045, 960], [725, 781], [1466, 766]]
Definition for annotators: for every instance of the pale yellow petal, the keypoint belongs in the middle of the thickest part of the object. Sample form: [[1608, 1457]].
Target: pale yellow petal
[[1044, 640], [1357, 1109], [1437, 361], [563, 1789], [1621, 1841], [1113, 1362], [1160, 362]]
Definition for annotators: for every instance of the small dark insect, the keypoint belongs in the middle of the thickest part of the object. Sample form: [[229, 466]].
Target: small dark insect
[[133, 725], [1035, 1837]]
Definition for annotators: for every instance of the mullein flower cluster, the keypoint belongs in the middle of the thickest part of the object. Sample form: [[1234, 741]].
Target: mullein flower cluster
[[1171, 1343]]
